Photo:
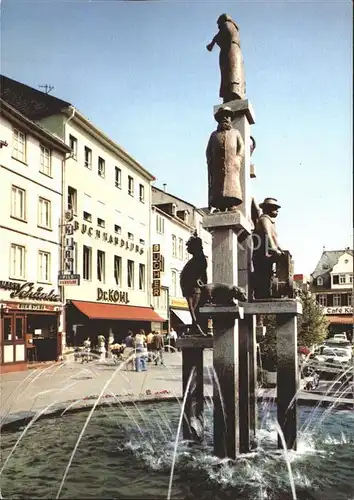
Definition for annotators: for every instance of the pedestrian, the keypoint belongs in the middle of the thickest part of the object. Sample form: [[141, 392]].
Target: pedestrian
[[150, 345], [128, 351], [140, 358], [173, 338], [159, 345]]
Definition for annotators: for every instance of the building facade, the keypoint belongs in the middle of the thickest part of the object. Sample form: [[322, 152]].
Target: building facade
[[173, 222], [332, 282], [105, 221], [31, 166]]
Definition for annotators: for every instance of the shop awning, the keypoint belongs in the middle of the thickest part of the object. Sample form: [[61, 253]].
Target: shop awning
[[342, 320], [94, 310], [183, 316]]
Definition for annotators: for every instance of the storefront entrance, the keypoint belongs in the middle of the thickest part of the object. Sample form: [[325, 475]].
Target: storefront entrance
[[13, 341]]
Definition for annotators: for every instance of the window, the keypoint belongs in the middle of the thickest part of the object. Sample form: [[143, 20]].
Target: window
[[161, 301], [180, 248], [319, 281], [350, 278], [117, 229], [335, 278], [101, 266], [43, 266], [131, 236], [87, 263], [118, 270], [174, 246], [45, 161], [130, 185], [88, 157], [18, 203], [72, 199], [19, 145], [160, 224], [141, 193], [87, 208], [341, 279], [336, 300], [130, 274], [101, 167], [117, 177], [350, 299], [100, 222], [73, 146], [44, 213], [174, 284], [322, 300], [141, 277], [17, 256], [141, 241]]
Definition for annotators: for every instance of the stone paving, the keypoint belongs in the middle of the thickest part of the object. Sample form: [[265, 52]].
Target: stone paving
[[73, 384]]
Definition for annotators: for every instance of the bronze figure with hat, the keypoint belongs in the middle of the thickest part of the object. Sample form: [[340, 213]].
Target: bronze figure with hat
[[225, 153], [272, 266]]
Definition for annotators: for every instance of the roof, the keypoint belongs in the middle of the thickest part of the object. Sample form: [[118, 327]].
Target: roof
[[37, 130], [328, 260], [94, 310], [177, 198], [29, 101]]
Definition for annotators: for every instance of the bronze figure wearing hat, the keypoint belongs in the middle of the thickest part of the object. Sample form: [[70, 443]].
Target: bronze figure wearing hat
[[266, 247], [232, 84], [193, 273], [224, 153]]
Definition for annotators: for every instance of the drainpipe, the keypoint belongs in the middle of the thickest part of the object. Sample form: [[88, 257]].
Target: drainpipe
[[62, 236]]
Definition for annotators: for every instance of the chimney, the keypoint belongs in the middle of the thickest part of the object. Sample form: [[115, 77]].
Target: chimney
[[164, 187]]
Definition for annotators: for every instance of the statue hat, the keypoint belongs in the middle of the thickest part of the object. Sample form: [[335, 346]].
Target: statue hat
[[223, 110], [273, 202]]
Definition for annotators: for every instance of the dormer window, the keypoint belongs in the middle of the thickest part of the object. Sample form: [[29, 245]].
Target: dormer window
[[174, 209], [319, 281]]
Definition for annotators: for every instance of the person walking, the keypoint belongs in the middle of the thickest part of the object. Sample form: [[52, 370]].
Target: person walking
[[173, 338], [150, 345], [159, 345], [139, 344]]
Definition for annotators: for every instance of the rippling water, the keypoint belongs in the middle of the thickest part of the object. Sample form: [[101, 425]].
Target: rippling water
[[126, 453]]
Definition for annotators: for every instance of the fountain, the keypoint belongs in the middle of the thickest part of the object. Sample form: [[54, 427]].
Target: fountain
[[123, 447]]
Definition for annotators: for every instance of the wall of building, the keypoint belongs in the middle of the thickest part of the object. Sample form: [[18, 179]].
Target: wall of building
[[121, 212]]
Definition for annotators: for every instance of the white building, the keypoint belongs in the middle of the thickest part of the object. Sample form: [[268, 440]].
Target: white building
[[106, 225], [31, 164], [332, 282], [173, 222]]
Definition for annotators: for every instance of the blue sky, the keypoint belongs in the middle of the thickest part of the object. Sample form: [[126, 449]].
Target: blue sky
[[140, 72]]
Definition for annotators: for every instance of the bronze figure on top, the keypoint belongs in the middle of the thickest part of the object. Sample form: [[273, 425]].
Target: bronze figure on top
[[193, 273], [233, 85], [272, 266], [225, 153]]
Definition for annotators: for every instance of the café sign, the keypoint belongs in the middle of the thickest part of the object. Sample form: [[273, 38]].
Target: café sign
[[338, 310], [28, 291], [112, 295]]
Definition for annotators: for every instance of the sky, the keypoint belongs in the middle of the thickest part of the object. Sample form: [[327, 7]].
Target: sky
[[140, 71]]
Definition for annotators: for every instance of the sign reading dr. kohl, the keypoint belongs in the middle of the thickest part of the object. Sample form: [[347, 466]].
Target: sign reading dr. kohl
[[112, 296], [28, 291]]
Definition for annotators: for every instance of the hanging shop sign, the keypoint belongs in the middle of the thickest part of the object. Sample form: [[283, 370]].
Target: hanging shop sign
[[112, 296], [156, 270], [103, 236], [28, 291], [68, 279], [69, 248], [338, 310]]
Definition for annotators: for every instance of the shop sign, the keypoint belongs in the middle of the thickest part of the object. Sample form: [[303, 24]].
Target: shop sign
[[69, 248], [156, 270], [338, 310], [31, 307], [103, 236], [68, 279], [112, 296], [182, 303], [28, 291]]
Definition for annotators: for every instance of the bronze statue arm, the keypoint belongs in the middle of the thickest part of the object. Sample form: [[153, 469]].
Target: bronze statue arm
[[210, 46], [267, 227]]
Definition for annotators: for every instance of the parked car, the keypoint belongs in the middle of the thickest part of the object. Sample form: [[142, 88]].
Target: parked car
[[340, 337]]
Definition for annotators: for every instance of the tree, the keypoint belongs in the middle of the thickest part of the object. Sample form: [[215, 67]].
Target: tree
[[313, 324]]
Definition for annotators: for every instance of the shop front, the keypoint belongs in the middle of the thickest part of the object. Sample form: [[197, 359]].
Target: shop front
[[180, 318], [341, 320], [90, 319], [29, 325]]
